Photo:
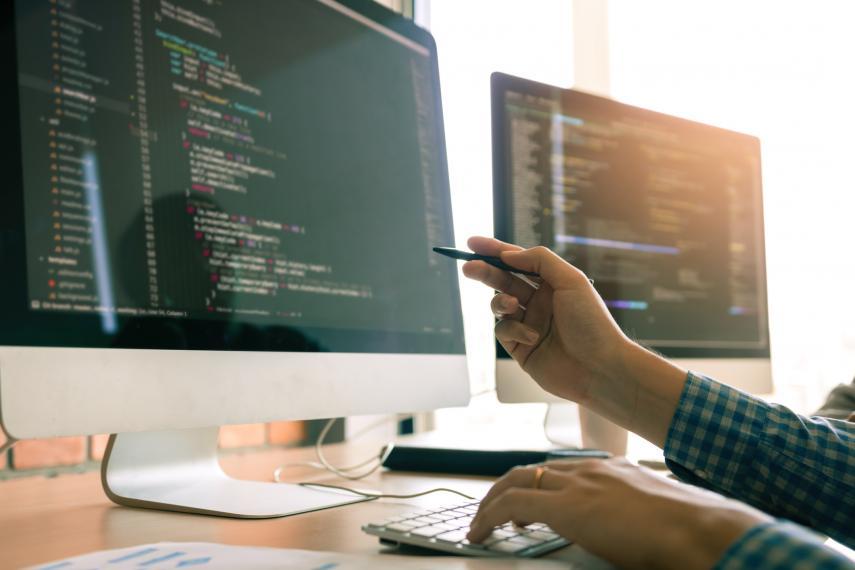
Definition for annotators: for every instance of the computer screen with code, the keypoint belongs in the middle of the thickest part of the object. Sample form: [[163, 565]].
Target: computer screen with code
[[664, 214], [273, 166]]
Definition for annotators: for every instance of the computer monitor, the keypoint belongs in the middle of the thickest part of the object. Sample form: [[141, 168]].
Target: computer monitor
[[664, 214], [216, 213]]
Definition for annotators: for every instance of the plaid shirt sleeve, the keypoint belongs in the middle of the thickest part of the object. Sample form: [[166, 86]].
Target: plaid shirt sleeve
[[781, 546], [791, 466]]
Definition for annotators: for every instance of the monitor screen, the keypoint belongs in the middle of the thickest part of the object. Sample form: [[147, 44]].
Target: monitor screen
[[663, 214], [213, 175]]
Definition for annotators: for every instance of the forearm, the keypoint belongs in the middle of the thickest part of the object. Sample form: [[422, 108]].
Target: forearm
[[788, 465], [707, 535], [639, 391]]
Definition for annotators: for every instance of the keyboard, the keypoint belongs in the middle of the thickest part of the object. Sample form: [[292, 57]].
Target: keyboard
[[445, 529]]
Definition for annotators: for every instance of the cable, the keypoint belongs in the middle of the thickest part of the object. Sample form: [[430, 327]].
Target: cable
[[372, 495], [10, 443], [346, 472], [343, 472]]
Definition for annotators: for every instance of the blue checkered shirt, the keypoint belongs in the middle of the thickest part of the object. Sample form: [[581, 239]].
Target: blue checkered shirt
[[793, 467]]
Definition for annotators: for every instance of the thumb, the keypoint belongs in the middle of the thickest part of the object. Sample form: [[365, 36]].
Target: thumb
[[557, 272]]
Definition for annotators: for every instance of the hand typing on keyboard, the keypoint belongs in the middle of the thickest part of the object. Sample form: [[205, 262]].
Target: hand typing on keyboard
[[606, 506], [445, 529]]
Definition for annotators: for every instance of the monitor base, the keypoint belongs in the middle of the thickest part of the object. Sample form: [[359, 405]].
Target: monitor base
[[561, 424], [571, 425], [178, 470]]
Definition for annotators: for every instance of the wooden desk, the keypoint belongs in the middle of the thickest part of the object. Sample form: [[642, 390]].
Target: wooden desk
[[47, 519]]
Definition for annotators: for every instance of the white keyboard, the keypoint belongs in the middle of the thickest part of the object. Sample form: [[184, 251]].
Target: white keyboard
[[445, 529]]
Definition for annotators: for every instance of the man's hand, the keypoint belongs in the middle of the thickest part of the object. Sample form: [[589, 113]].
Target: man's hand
[[563, 335], [625, 514]]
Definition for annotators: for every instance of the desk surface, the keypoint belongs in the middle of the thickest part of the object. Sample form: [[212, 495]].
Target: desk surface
[[47, 519]]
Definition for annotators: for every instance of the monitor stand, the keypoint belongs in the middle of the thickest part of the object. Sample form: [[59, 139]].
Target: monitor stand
[[561, 424], [571, 425], [178, 470]]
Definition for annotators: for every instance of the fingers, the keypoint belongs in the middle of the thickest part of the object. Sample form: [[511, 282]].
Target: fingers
[[490, 246], [549, 265], [579, 464], [509, 331], [505, 306], [497, 279], [510, 347], [512, 505], [519, 477], [516, 477]]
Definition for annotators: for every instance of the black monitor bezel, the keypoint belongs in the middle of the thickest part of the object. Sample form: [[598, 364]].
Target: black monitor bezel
[[501, 84], [21, 326]]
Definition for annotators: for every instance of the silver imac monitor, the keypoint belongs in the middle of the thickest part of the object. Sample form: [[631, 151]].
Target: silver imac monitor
[[217, 213], [664, 214]]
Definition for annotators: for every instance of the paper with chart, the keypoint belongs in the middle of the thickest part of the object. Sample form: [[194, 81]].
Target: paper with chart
[[209, 556]]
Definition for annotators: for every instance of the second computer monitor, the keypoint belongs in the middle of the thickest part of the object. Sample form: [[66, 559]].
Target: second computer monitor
[[664, 214]]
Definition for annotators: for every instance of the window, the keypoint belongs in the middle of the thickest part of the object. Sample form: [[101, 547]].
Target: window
[[474, 39], [781, 71]]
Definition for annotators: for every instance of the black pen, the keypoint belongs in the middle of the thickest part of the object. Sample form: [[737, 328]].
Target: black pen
[[490, 259]]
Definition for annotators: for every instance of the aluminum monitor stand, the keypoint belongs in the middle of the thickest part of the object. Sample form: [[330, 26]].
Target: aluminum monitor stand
[[178, 470]]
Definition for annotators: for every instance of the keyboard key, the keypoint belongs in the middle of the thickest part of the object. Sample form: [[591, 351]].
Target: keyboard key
[[497, 535], [457, 523], [511, 527], [523, 539], [542, 535], [444, 516], [401, 526], [505, 532], [453, 536], [448, 527], [444, 525], [508, 546], [428, 531]]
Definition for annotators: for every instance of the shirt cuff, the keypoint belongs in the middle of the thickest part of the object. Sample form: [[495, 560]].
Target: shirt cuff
[[781, 545], [714, 431]]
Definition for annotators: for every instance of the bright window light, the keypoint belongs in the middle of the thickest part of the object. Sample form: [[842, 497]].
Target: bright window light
[[474, 39], [781, 70]]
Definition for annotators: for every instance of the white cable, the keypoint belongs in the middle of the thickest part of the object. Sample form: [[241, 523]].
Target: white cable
[[373, 495], [343, 472], [10, 443]]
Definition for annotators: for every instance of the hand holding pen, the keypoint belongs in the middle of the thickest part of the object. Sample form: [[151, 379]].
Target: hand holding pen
[[490, 260]]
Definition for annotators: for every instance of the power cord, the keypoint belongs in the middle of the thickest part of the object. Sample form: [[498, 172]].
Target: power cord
[[10, 443], [344, 472], [347, 472], [373, 495]]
